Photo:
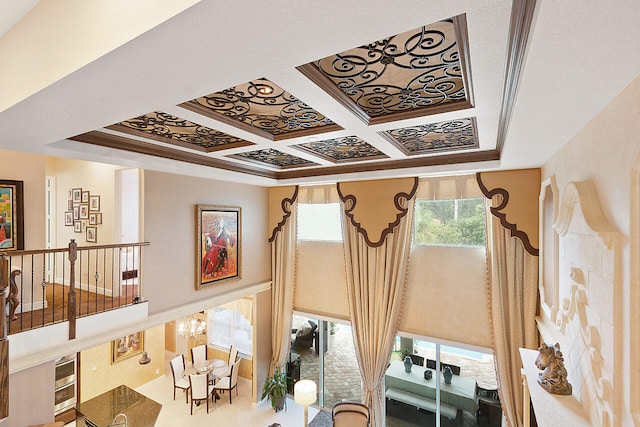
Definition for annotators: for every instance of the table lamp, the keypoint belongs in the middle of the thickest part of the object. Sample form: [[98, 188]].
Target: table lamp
[[304, 393]]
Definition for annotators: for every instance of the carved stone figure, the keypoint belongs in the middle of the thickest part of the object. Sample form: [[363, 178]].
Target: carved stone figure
[[553, 377]]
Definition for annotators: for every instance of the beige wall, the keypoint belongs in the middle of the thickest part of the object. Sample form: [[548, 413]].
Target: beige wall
[[170, 225], [31, 396], [29, 168], [98, 179], [99, 375], [606, 152]]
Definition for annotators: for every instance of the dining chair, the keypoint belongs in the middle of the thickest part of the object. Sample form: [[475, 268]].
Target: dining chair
[[177, 369], [233, 355], [199, 353], [200, 389], [230, 382], [352, 414]]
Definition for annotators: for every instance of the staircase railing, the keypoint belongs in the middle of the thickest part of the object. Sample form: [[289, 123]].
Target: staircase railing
[[43, 287]]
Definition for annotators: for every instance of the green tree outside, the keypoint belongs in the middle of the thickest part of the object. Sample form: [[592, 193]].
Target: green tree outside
[[450, 222]]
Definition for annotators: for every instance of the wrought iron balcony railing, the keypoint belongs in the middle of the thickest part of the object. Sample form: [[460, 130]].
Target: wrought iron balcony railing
[[43, 287]]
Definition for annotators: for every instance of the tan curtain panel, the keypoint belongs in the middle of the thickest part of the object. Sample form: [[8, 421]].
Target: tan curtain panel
[[283, 257], [376, 275], [512, 291]]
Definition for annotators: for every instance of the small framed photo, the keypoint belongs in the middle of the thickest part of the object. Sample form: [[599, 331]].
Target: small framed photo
[[77, 226], [68, 218], [92, 234], [83, 211], [76, 212], [99, 218], [92, 219], [94, 203], [85, 197], [76, 195], [70, 205]]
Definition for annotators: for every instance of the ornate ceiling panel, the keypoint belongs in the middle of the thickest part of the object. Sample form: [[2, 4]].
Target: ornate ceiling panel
[[452, 135], [263, 108], [275, 158], [349, 148], [411, 75], [164, 127], [419, 72]]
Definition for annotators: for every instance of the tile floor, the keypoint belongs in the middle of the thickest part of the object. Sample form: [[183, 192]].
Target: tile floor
[[243, 412]]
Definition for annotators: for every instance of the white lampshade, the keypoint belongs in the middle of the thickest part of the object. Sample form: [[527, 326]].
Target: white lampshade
[[304, 392]]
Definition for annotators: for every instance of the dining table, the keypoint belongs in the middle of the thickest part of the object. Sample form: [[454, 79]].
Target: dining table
[[214, 368]]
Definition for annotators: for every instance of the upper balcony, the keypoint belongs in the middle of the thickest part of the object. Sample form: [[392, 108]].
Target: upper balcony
[[50, 286]]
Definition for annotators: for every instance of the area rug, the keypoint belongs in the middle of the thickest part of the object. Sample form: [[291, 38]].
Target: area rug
[[322, 419]]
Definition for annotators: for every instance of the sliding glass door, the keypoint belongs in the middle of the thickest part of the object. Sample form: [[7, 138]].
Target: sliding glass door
[[323, 351], [445, 386]]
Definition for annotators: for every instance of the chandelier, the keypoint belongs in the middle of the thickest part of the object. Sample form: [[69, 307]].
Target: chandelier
[[192, 328]]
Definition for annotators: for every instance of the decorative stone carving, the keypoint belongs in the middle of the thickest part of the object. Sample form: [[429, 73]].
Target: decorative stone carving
[[589, 280], [553, 377]]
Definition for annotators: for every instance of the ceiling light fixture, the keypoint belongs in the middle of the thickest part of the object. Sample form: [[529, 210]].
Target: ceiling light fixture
[[192, 328], [264, 89]]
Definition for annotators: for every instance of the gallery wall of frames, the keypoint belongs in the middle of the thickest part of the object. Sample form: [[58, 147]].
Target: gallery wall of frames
[[83, 213]]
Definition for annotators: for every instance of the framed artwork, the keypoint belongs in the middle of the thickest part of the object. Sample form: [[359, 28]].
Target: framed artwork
[[218, 243], [92, 234], [98, 218], [76, 212], [83, 211], [70, 205], [11, 215], [77, 226], [85, 197], [68, 218], [76, 195], [127, 346], [94, 203], [92, 219]]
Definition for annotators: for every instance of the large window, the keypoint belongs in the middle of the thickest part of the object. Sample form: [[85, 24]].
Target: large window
[[231, 324], [319, 222], [450, 222]]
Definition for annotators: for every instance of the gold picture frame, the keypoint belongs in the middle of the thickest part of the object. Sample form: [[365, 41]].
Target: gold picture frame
[[127, 346], [218, 242]]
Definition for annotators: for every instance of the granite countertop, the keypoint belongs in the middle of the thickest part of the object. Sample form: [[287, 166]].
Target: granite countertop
[[102, 410]]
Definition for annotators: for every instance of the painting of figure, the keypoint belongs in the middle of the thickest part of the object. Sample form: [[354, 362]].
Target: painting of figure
[[11, 215], [219, 243]]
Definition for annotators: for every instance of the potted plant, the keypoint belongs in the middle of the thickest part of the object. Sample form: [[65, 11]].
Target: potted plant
[[276, 388]]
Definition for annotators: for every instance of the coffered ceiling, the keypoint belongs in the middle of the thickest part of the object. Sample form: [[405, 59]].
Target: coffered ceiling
[[309, 92], [417, 74]]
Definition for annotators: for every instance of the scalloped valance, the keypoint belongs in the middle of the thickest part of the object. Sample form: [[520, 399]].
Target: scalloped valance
[[373, 206], [519, 208], [280, 201]]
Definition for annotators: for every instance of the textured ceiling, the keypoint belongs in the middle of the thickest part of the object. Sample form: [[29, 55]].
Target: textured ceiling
[[328, 91], [416, 74]]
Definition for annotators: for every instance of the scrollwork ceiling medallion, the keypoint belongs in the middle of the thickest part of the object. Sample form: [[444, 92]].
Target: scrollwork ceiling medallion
[[345, 149], [273, 158], [415, 73], [170, 129], [454, 135], [263, 108]]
